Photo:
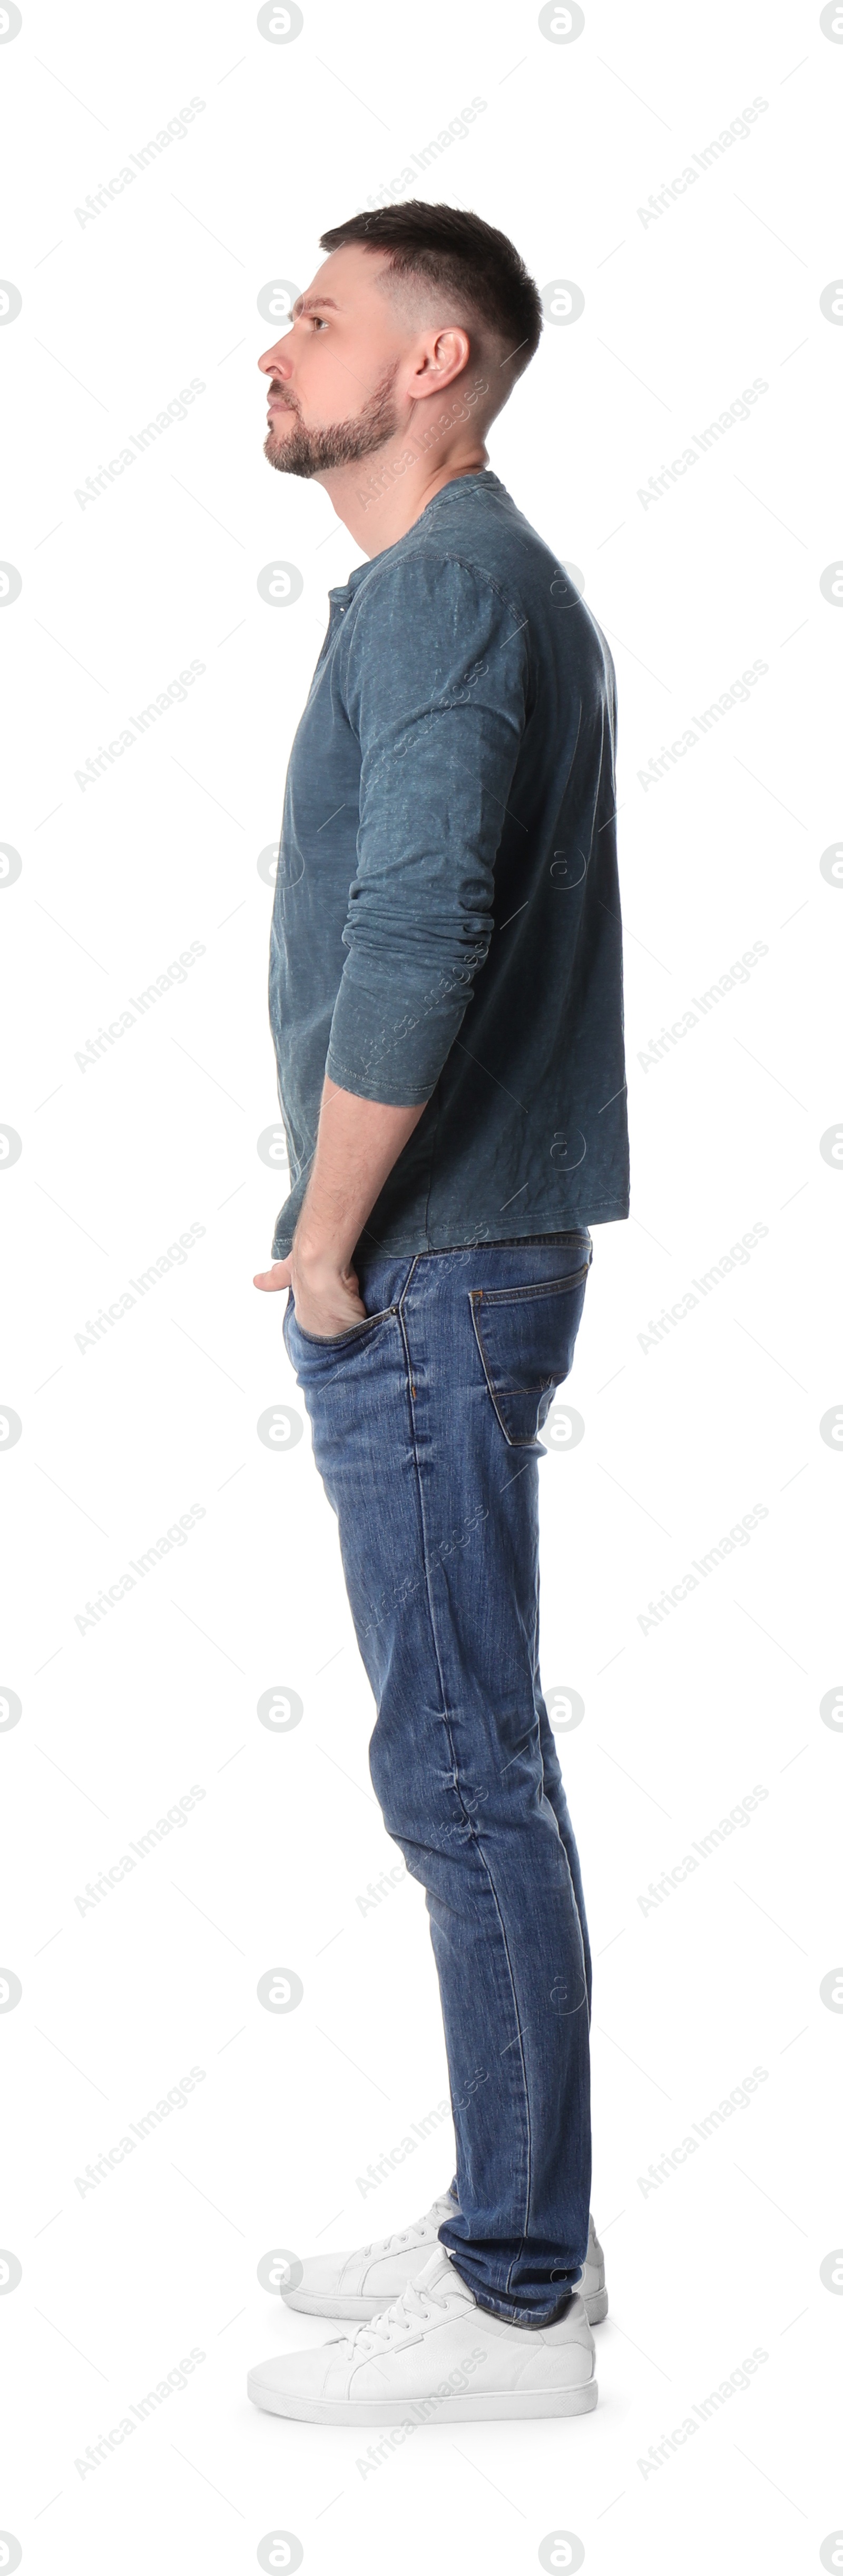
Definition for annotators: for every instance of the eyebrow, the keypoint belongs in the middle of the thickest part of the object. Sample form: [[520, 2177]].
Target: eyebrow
[[308, 303]]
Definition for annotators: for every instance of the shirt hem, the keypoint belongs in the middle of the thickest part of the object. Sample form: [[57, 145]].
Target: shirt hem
[[549, 1221]]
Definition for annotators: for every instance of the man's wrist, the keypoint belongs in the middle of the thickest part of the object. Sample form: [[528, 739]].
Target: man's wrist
[[320, 1256]]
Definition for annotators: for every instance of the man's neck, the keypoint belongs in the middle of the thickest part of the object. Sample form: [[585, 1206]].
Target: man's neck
[[383, 495]]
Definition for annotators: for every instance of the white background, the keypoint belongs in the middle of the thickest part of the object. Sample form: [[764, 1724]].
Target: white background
[[682, 1439]]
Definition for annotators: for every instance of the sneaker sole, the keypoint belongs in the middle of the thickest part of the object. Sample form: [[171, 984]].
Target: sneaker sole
[[359, 2310], [517, 2403]]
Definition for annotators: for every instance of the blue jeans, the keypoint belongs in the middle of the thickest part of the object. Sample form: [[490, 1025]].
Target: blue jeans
[[425, 1420]]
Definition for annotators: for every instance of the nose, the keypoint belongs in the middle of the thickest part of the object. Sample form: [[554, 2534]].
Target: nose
[[274, 362]]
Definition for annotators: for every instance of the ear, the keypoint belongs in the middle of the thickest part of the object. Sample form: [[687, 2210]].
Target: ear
[[444, 356]]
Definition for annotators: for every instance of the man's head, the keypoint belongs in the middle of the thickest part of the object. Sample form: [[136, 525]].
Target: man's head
[[414, 303]]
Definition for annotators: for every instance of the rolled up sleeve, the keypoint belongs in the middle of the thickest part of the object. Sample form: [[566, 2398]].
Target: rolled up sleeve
[[436, 690]]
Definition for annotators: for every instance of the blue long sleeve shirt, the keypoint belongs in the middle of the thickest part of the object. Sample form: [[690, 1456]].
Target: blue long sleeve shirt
[[446, 921]]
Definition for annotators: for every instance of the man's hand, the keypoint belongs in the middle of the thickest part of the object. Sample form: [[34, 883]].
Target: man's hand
[[327, 1299], [357, 1143]]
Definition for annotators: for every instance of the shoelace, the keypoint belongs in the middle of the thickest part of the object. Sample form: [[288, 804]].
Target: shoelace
[[413, 2308], [414, 2235]]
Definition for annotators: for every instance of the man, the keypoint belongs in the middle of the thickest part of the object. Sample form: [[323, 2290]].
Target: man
[[446, 1005]]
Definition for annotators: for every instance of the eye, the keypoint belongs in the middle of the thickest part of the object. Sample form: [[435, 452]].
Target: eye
[[318, 322]]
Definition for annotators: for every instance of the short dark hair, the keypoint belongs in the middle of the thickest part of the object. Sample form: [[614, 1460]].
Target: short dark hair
[[454, 249]]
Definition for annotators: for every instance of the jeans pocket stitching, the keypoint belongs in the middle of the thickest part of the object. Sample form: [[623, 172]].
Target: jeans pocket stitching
[[335, 1341], [512, 1441], [537, 1288]]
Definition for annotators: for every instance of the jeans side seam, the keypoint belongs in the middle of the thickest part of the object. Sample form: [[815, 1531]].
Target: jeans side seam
[[420, 1495], [476, 1837], [400, 1301]]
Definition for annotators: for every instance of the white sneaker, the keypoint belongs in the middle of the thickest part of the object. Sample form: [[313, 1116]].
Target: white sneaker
[[360, 2284], [435, 2357]]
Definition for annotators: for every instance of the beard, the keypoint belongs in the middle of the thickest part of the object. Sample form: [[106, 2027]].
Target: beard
[[315, 451]]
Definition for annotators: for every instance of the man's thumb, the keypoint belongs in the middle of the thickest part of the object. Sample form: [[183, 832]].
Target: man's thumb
[[277, 1277]]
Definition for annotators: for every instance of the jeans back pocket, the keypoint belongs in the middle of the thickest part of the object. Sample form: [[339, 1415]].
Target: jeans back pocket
[[526, 1338]]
